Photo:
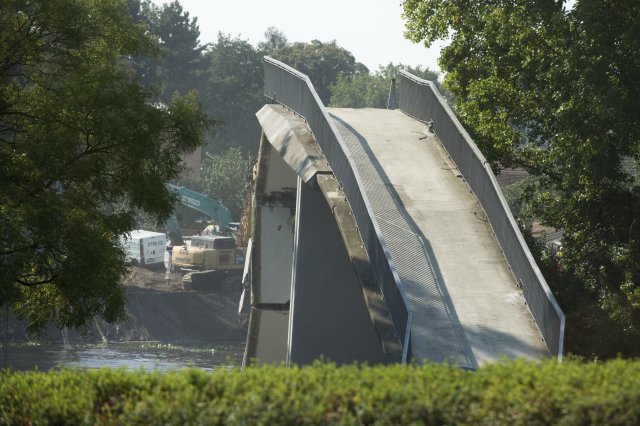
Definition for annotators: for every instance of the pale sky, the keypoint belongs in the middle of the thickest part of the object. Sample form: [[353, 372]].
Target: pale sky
[[370, 29]]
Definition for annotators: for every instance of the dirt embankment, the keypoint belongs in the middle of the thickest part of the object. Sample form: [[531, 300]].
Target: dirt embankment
[[160, 309]]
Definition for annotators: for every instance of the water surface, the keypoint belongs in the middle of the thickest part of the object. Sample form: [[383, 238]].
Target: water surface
[[151, 356]]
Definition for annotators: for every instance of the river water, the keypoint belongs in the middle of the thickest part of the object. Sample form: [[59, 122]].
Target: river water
[[150, 356]]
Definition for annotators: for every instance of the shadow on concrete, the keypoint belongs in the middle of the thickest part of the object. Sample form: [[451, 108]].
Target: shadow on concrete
[[436, 332], [485, 339]]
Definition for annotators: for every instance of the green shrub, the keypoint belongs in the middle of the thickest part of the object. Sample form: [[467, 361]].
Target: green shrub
[[514, 392]]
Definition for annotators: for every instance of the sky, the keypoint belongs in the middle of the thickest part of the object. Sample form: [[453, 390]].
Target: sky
[[370, 29]]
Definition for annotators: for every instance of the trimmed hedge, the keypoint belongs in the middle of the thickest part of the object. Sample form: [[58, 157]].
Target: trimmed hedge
[[515, 392]]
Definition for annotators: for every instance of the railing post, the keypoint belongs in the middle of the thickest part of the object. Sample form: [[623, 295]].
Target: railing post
[[392, 102]]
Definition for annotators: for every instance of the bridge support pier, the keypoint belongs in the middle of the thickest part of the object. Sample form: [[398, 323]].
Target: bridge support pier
[[271, 257], [313, 291], [329, 317]]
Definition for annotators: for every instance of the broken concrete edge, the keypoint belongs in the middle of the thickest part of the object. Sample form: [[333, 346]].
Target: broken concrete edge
[[290, 135], [374, 299], [261, 178], [260, 200], [298, 147], [262, 164], [263, 197]]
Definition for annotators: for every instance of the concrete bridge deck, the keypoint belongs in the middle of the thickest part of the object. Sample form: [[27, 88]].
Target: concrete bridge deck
[[467, 308]]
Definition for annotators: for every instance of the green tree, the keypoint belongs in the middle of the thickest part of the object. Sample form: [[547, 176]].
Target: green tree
[[224, 176], [274, 39], [179, 65], [371, 90], [360, 91], [556, 91], [78, 136], [321, 62], [231, 90]]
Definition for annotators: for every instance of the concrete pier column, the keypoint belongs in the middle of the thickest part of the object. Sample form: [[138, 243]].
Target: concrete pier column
[[329, 317], [271, 258], [314, 291]]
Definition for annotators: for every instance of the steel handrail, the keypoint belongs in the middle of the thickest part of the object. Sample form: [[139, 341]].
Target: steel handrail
[[294, 90], [420, 99]]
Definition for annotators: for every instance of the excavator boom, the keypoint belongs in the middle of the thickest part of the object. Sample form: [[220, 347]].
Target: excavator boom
[[213, 208]]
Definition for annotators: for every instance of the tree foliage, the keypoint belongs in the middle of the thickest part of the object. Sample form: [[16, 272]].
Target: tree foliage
[[177, 36], [274, 39], [360, 91], [78, 136], [224, 176], [556, 91], [321, 62], [231, 90], [371, 90]]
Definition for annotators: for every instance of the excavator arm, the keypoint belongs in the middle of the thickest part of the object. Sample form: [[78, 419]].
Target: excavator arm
[[209, 206]]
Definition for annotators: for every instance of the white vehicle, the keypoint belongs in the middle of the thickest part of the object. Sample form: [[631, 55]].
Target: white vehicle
[[144, 247]]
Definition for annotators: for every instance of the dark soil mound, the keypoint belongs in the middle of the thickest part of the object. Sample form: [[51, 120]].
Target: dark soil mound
[[159, 309]]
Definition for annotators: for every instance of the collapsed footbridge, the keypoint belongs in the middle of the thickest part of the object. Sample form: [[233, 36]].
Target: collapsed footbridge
[[381, 236]]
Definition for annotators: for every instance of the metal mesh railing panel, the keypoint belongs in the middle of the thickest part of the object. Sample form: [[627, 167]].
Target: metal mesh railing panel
[[436, 333], [294, 90], [420, 99]]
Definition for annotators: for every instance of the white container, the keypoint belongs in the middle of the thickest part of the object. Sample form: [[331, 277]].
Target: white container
[[145, 247]]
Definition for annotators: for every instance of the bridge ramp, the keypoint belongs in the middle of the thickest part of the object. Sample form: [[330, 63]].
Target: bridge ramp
[[468, 309]]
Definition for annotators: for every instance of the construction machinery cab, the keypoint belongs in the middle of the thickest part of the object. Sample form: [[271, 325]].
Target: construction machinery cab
[[213, 242], [211, 260]]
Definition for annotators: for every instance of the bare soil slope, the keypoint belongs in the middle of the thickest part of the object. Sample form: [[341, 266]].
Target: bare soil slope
[[160, 309]]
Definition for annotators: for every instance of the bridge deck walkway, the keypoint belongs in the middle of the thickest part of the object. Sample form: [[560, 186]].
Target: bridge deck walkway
[[467, 307]]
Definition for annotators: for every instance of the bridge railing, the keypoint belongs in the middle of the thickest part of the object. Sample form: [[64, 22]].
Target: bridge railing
[[294, 90], [421, 99]]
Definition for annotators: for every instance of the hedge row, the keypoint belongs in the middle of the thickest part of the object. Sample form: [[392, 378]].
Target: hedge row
[[506, 393]]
